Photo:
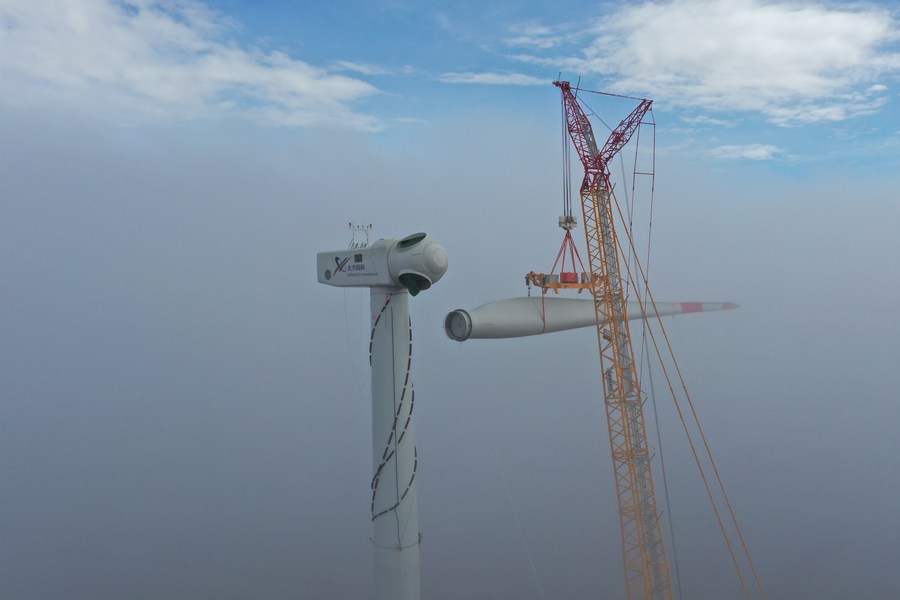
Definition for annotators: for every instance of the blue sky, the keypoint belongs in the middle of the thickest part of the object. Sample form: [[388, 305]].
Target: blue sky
[[184, 410], [792, 83]]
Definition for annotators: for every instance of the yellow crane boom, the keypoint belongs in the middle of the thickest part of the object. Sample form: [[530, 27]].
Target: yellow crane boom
[[643, 550]]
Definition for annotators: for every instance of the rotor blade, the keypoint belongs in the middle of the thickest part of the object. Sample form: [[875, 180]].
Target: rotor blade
[[522, 316]]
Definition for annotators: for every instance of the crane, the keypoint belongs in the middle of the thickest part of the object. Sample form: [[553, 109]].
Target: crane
[[643, 550], [646, 566]]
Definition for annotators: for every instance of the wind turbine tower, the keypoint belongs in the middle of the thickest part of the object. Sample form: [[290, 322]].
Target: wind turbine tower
[[393, 270]]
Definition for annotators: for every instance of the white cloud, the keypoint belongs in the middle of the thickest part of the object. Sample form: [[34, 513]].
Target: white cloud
[[361, 68], [174, 59], [750, 151], [793, 62], [369, 69], [534, 35], [492, 78], [705, 120]]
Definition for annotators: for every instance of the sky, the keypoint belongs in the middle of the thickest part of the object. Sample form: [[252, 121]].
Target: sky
[[184, 411]]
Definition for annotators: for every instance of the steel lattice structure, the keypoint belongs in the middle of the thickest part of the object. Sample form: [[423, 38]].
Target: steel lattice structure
[[643, 550]]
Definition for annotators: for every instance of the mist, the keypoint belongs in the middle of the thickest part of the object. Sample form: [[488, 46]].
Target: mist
[[185, 411]]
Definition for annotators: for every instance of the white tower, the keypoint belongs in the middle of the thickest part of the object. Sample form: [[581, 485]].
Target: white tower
[[393, 270]]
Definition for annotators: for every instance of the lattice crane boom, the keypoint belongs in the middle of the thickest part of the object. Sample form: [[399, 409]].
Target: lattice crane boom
[[646, 566]]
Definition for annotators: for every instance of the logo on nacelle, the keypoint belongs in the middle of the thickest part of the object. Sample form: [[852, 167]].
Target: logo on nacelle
[[343, 265]]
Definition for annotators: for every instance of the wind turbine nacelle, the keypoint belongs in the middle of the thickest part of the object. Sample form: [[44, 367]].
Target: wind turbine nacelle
[[414, 263]]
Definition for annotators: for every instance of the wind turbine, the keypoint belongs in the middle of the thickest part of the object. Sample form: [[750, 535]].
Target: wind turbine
[[393, 270]]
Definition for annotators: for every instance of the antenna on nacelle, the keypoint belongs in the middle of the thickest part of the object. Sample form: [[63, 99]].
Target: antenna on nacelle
[[359, 229]]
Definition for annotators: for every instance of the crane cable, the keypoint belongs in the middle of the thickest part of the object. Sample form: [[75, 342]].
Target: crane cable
[[696, 420], [662, 464], [684, 423], [631, 255], [567, 166], [644, 353]]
